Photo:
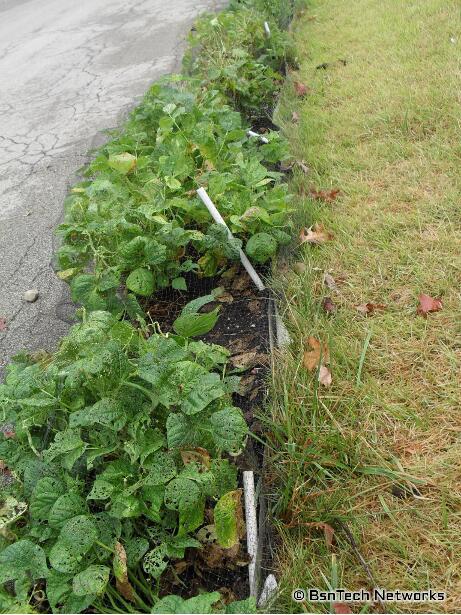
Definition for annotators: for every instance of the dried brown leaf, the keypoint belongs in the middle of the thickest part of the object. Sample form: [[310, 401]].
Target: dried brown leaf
[[246, 385], [198, 456], [124, 587], [295, 117], [428, 304], [329, 306], [368, 308], [303, 166], [329, 281], [241, 282], [315, 234], [2, 324], [340, 608], [328, 196], [325, 377], [254, 306], [225, 297], [319, 352], [245, 360], [301, 89]]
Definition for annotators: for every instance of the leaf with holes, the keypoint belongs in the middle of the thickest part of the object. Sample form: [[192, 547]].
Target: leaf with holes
[[108, 411], [101, 490], [92, 580], [155, 561], [45, 494], [229, 429], [162, 469], [66, 507], [22, 559], [141, 282], [68, 446]]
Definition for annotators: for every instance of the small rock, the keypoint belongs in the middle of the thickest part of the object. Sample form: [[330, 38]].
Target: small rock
[[31, 295], [300, 268]]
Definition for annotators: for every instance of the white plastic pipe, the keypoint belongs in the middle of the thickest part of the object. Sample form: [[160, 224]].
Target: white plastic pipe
[[220, 220], [252, 528], [267, 29], [251, 133]]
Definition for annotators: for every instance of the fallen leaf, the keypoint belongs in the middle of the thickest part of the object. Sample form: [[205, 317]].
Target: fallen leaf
[[329, 306], [242, 344], [325, 377], [241, 282], [225, 297], [340, 608], [254, 306], [246, 385], [245, 360], [315, 234], [295, 117], [369, 308], [2, 324], [329, 281], [428, 304], [303, 166], [328, 196], [319, 352], [301, 89]]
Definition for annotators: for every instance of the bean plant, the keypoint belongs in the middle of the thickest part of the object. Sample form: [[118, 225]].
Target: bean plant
[[118, 445], [136, 222]]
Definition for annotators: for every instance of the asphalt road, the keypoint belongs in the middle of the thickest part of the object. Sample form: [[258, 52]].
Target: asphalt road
[[68, 71]]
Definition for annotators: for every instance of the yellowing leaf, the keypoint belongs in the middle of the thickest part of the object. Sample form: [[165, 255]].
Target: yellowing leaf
[[67, 273], [228, 519], [123, 163]]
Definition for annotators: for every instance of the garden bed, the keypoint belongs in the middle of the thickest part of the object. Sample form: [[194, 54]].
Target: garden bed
[[129, 445]]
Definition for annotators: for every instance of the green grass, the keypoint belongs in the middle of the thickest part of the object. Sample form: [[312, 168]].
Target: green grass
[[385, 129]]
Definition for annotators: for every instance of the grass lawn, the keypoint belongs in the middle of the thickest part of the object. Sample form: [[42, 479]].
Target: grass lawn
[[378, 452]]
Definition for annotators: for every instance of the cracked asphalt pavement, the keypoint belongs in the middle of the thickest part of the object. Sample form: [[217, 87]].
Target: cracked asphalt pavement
[[68, 71]]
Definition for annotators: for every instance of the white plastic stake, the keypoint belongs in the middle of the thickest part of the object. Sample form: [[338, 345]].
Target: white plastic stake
[[267, 29], [251, 133], [219, 220], [252, 527], [268, 592]]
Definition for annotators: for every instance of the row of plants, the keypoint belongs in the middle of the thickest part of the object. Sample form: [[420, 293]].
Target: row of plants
[[117, 450], [135, 224]]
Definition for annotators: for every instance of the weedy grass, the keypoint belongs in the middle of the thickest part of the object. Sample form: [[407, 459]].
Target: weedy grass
[[378, 451]]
